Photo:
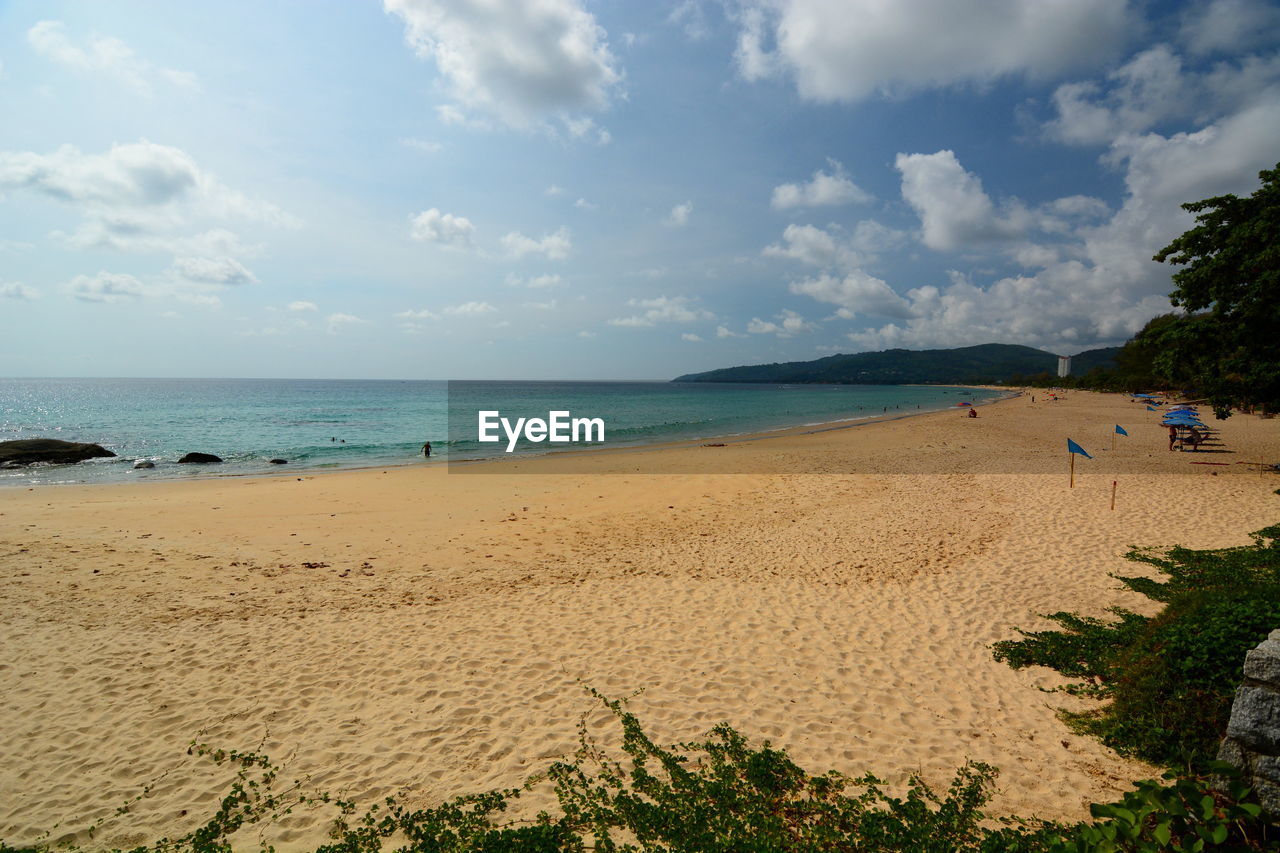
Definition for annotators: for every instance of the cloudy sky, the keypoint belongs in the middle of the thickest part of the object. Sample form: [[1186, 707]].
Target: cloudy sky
[[603, 188]]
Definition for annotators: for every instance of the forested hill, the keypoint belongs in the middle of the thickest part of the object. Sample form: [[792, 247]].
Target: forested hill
[[984, 364]]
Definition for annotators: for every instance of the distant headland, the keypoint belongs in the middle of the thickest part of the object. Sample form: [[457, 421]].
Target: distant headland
[[977, 365]]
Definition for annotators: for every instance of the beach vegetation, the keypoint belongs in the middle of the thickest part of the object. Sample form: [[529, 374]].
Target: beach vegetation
[[720, 794], [1168, 679]]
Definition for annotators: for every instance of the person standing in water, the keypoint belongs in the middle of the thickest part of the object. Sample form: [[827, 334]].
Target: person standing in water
[[426, 449]]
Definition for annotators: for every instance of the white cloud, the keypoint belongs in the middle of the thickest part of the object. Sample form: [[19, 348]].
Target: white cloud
[[423, 145], [824, 189], [133, 176], [955, 211], [812, 246], [107, 287], [1146, 90], [521, 62], [17, 290], [857, 293], [583, 204], [535, 282], [213, 271], [846, 50], [690, 16], [303, 306], [469, 309], [444, 229], [586, 335], [423, 314], [724, 332], [581, 128], [1153, 88], [691, 337], [335, 323], [555, 247], [1100, 285], [1231, 25], [663, 309], [1078, 206], [103, 55], [146, 198], [790, 323], [679, 215]]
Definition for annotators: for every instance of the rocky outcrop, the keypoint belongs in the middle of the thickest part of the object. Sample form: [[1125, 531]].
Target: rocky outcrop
[[29, 451], [1253, 734], [200, 458]]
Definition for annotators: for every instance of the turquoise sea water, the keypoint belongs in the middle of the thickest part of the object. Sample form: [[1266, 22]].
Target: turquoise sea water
[[327, 424]]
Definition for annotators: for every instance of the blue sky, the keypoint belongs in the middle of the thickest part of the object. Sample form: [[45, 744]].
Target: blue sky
[[574, 189]]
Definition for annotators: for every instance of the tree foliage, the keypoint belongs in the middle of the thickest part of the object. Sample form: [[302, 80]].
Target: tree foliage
[[1228, 344]]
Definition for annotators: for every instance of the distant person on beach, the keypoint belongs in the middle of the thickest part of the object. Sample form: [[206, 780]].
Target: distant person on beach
[[1173, 436], [426, 449], [973, 413]]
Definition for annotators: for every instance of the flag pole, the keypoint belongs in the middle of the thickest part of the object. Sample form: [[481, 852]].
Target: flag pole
[[1113, 495], [1073, 469]]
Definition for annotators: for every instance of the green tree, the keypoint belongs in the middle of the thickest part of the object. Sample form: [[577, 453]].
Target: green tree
[[1228, 345]]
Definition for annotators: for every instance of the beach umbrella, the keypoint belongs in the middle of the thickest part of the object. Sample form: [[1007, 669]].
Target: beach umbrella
[[964, 404]]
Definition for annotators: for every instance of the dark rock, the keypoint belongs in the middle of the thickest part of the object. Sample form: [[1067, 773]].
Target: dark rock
[[1255, 719], [201, 458], [279, 462], [1263, 663], [144, 463], [31, 450]]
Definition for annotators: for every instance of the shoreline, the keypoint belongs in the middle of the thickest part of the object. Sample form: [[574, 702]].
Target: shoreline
[[422, 631], [760, 435]]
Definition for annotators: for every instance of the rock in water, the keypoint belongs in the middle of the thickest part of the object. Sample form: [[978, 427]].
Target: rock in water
[[200, 458], [30, 450], [279, 462], [144, 463]]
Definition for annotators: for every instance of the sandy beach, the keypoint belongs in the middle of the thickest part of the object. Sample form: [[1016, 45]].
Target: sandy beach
[[420, 630]]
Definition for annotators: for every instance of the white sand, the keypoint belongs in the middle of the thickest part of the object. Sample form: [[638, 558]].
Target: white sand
[[441, 637]]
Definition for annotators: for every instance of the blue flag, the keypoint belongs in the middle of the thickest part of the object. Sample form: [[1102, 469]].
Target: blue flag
[[1072, 447], [1120, 430]]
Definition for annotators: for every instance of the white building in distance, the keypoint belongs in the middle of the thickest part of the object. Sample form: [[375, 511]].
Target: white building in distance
[[1064, 365]]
